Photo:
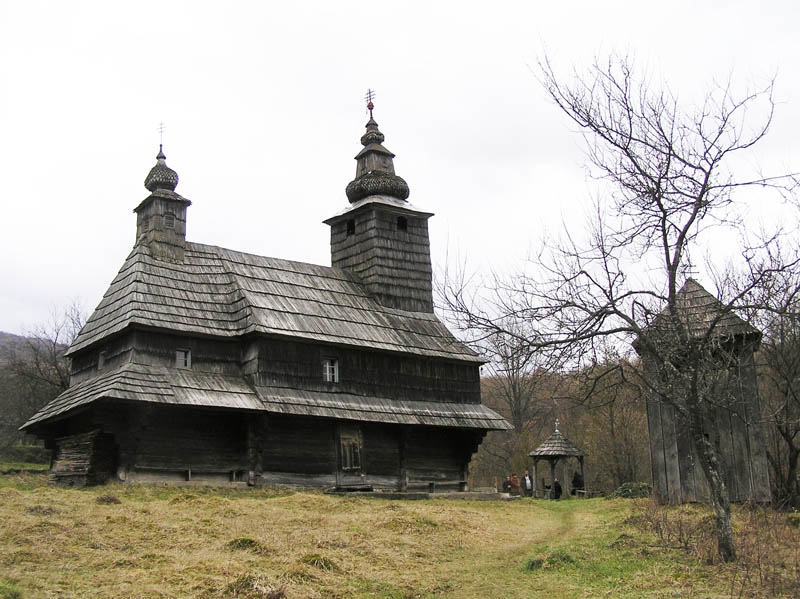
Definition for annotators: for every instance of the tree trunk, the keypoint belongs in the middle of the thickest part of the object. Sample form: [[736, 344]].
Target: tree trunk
[[726, 549]]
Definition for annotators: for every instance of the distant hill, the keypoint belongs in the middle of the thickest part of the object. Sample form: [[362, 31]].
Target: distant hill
[[26, 383], [10, 343]]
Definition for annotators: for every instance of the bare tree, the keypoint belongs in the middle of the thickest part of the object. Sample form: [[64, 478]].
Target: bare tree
[[779, 369], [612, 424], [519, 382], [671, 183], [36, 370]]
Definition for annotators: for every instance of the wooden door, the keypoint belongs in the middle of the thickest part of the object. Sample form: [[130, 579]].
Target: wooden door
[[350, 458]]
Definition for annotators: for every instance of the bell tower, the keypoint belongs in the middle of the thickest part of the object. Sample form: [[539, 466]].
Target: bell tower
[[380, 236], [161, 216]]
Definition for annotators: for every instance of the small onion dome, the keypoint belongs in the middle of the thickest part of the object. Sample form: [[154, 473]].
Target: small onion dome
[[373, 135], [375, 169], [161, 176], [377, 183]]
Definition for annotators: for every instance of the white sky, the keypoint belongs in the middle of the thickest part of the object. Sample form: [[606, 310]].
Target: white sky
[[263, 108]]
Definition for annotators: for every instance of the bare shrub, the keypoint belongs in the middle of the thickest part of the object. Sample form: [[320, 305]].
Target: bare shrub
[[768, 563]]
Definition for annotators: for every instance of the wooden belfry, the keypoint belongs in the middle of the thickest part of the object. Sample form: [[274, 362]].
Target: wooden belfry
[[556, 450], [734, 428]]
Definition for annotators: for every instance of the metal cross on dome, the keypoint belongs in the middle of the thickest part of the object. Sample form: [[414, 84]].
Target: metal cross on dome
[[368, 97], [161, 128]]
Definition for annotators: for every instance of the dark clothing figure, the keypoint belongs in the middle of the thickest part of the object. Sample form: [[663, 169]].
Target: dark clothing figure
[[514, 484], [577, 482], [507, 485], [527, 485], [556, 489]]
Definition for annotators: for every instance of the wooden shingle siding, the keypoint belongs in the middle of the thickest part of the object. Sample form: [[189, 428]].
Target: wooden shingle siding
[[293, 365], [394, 265]]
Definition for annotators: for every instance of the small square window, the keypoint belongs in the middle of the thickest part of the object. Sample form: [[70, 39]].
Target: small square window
[[169, 221], [402, 223], [183, 358], [101, 360], [351, 227], [330, 370]]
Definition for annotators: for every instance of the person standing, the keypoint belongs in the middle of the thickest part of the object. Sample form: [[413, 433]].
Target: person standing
[[527, 484], [556, 489]]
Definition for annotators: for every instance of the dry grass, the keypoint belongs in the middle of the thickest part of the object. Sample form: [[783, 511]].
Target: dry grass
[[768, 545], [255, 543]]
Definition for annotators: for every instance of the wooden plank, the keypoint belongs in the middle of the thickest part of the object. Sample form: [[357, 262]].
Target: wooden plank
[[657, 450], [673, 475]]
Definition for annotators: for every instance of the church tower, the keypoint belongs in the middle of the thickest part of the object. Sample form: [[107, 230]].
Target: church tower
[[161, 217], [380, 236]]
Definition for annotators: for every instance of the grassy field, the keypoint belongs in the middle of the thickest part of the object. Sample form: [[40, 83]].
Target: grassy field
[[148, 541]]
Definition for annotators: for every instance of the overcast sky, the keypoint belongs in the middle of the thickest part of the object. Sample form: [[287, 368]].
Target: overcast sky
[[262, 103]]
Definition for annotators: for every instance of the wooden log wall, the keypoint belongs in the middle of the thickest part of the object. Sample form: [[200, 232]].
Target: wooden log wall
[[299, 445], [296, 365], [152, 442], [162, 442], [83, 459]]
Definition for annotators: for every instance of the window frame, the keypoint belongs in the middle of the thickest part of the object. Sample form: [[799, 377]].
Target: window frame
[[183, 358], [330, 369]]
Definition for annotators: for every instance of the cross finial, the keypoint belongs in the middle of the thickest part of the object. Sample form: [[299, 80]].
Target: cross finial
[[161, 128], [368, 97], [557, 425]]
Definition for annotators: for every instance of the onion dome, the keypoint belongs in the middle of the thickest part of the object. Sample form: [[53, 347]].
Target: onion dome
[[161, 176], [375, 169]]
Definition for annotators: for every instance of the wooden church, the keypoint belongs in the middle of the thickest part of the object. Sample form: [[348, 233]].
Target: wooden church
[[207, 364]]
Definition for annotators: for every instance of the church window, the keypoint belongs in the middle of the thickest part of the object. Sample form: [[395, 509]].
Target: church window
[[169, 220], [330, 370], [351, 227], [183, 358], [402, 223], [101, 360]]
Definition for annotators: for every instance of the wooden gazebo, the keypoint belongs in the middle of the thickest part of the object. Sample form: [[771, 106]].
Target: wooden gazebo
[[557, 450]]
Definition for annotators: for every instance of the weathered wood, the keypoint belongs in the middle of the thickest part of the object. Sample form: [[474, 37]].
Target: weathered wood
[[677, 472], [84, 459], [393, 264]]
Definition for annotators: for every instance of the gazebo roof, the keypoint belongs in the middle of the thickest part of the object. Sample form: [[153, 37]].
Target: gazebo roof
[[556, 446]]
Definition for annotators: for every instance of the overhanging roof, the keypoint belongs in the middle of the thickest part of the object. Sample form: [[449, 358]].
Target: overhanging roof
[[169, 386]]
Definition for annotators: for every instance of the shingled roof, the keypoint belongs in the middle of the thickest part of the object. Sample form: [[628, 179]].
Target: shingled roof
[[159, 384], [556, 446], [699, 311], [221, 292]]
